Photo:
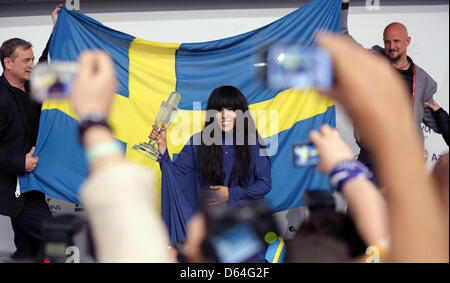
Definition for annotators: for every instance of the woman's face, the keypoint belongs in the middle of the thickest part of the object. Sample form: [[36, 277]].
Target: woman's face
[[226, 118]]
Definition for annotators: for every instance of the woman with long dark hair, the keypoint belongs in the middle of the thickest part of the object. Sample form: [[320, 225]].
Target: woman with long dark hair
[[227, 157]]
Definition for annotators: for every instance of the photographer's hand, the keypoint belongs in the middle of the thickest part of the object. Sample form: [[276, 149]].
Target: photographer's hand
[[332, 148], [195, 235], [382, 114], [114, 185], [94, 85], [93, 91], [367, 206]]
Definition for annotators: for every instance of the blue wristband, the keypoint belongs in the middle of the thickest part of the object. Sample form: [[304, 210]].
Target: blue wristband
[[347, 170]]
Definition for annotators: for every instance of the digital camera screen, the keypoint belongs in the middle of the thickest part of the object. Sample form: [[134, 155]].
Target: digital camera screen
[[305, 155], [300, 67], [238, 244], [52, 81]]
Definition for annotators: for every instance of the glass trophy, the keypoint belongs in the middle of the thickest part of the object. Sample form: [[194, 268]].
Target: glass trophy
[[165, 115]]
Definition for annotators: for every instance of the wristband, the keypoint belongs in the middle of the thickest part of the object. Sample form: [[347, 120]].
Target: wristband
[[345, 6], [348, 170], [93, 119], [102, 150]]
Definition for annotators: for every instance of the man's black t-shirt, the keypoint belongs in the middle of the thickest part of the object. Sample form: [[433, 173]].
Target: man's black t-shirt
[[408, 76]]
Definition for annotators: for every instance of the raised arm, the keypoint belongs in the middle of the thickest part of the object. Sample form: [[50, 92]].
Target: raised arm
[[367, 206], [117, 195], [344, 21], [55, 12], [385, 122]]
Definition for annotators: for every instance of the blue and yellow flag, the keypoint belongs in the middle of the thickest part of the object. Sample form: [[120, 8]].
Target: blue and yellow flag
[[276, 251], [148, 72]]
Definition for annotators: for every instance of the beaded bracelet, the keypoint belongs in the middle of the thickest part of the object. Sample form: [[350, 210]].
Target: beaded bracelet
[[347, 170]]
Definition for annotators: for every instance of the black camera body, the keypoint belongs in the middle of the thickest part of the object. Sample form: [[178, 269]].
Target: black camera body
[[67, 238], [237, 235], [319, 200]]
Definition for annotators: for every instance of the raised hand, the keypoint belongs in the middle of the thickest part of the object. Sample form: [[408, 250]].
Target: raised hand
[[55, 13], [160, 137], [332, 148], [434, 106]]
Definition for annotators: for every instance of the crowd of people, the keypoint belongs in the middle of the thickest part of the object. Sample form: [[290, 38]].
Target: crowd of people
[[394, 205]]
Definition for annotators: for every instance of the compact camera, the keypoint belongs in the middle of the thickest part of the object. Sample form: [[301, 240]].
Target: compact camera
[[292, 65], [53, 81], [305, 155], [236, 235]]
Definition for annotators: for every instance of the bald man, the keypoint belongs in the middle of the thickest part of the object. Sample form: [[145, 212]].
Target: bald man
[[421, 86], [396, 42]]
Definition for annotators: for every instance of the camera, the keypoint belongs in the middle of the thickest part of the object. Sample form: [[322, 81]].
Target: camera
[[67, 238], [237, 235], [319, 200], [53, 81], [305, 155], [294, 65]]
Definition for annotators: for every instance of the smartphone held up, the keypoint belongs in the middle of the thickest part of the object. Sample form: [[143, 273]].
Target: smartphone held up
[[305, 155], [298, 66], [53, 81]]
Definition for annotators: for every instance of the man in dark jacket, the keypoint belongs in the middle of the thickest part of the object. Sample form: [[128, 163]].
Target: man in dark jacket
[[421, 85], [19, 123]]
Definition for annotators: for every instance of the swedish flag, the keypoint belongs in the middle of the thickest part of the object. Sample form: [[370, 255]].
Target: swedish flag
[[149, 71], [276, 251]]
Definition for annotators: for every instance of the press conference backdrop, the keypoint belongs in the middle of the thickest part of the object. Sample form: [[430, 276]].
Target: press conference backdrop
[[203, 21]]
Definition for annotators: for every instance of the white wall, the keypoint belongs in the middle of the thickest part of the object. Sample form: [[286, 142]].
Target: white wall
[[209, 20]]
